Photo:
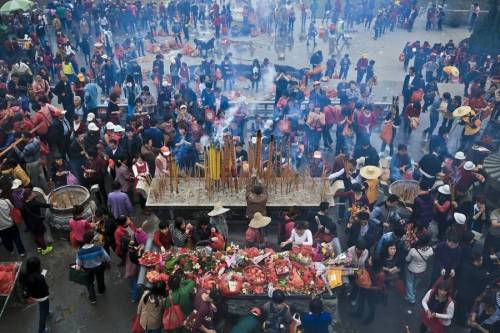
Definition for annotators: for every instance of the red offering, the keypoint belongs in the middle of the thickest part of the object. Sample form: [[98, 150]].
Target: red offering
[[255, 275], [209, 280], [282, 267], [295, 280], [7, 277], [230, 284], [305, 250], [251, 252], [150, 259]]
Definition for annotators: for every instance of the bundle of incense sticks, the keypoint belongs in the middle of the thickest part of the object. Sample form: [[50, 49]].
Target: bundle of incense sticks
[[170, 172], [234, 168], [258, 154], [270, 165]]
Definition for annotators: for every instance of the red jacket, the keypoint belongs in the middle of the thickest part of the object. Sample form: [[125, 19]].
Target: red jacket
[[331, 114], [121, 232], [162, 240], [410, 111]]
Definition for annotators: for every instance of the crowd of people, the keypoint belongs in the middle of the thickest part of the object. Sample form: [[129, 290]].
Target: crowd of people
[[77, 108]]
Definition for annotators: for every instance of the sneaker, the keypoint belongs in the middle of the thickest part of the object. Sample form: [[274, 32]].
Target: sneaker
[[48, 249], [93, 302], [22, 254]]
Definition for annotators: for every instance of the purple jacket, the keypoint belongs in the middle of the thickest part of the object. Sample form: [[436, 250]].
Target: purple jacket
[[447, 258], [422, 210], [119, 204]]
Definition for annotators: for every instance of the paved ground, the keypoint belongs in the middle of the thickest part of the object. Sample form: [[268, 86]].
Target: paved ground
[[74, 314]]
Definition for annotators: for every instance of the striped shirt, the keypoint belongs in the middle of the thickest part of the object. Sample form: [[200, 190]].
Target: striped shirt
[[91, 256]]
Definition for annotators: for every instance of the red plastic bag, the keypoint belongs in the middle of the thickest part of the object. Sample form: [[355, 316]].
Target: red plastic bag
[[363, 279], [16, 216], [433, 324], [217, 245], [400, 287], [136, 324], [44, 149], [386, 133], [173, 317]]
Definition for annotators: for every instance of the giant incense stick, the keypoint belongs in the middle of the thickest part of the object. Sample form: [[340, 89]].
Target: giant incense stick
[[258, 154], [269, 170]]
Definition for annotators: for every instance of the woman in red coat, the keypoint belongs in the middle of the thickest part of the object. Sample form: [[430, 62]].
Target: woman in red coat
[[125, 231]]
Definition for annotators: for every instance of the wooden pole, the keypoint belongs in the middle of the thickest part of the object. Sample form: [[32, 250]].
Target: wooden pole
[[15, 143]]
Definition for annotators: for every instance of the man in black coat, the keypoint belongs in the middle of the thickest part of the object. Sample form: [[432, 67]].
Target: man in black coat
[[410, 84], [159, 63], [429, 167], [114, 151], [130, 144], [65, 96], [59, 133], [471, 282], [366, 150]]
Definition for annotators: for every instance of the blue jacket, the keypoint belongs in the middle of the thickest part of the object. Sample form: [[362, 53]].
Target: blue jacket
[[90, 96]]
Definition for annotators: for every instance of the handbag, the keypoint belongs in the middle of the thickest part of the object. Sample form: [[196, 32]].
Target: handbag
[[363, 279], [346, 131], [191, 322], [15, 215], [71, 179], [173, 317], [414, 122], [386, 133], [400, 287], [44, 149], [78, 276], [136, 324]]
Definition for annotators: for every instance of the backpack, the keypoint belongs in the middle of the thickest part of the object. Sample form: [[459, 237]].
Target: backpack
[[275, 321]]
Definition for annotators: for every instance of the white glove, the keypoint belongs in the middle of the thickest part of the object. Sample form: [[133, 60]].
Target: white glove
[[296, 318], [360, 161], [443, 272], [270, 290]]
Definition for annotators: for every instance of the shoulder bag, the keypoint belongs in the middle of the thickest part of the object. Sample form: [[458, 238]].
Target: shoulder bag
[[78, 276], [173, 317]]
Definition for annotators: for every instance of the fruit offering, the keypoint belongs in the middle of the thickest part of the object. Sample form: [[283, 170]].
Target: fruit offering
[[150, 259], [7, 277], [255, 275]]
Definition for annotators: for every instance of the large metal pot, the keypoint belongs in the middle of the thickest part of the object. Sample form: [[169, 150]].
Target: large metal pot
[[406, 190], [63, 199]]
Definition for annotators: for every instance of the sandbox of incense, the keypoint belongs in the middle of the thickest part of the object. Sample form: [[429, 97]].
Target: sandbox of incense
[[224, 179]]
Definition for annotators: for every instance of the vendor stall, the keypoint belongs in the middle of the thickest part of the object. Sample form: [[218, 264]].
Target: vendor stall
[[9, 273], [250, 273]]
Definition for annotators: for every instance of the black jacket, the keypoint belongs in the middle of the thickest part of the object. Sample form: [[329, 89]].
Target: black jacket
[[131, 148], [408, 88], [55, 136], [65, 97], [471, 281], [33, 217], [370, 153], [35, 285]]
